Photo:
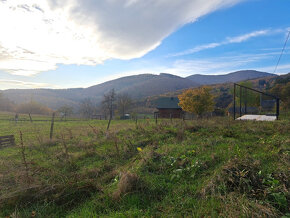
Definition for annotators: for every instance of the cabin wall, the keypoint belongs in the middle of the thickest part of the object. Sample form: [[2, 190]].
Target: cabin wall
[[165, 113]]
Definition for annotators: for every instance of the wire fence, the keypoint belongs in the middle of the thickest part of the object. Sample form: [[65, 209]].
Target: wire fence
[[40, 129]]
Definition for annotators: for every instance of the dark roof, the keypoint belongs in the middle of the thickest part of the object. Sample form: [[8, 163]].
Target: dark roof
[[169, 103]]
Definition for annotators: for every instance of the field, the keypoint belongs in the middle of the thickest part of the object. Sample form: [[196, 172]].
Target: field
[[198, 168]]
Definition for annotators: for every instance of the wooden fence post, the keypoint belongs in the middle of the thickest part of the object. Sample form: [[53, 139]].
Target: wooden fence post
[[30, 117], [51, 127], [16, 118]]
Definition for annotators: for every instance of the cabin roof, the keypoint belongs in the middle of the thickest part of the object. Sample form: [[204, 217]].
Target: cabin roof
[[167, 103]]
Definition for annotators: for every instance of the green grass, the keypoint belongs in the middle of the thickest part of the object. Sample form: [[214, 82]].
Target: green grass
[[210, 167]]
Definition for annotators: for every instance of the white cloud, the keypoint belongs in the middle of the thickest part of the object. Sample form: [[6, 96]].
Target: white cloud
[[36, 35], [219, 65], [210, 66], [197, 49], [247, 36], [281, 69], [228, 40]]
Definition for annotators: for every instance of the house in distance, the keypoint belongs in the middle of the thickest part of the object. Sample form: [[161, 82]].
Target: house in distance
[[168, 108]]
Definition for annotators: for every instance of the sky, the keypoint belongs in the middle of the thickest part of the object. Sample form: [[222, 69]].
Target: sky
[[80, 43]]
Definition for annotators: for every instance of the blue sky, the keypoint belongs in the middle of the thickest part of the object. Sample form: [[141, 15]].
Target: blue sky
[[224, 36]]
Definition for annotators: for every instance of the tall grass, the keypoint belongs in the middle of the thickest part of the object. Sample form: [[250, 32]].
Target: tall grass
[[205, 167]]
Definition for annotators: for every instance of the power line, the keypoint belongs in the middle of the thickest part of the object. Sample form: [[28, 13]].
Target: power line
[[282, 51]]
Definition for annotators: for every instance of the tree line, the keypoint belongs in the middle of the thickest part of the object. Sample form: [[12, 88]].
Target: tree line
[[111, 105], [30, 107], [198, 101]]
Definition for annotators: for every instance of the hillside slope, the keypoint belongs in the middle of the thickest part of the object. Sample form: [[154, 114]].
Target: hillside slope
[[143, 85], [231, 77], [137, 86]]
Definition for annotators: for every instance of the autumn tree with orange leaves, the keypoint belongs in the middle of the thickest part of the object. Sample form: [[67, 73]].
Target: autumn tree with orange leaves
[[197, 101]]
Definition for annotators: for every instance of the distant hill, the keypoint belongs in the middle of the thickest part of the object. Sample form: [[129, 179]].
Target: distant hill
[[143, 85], [231, 77], [137, 86], [218, 88], [52, 98]]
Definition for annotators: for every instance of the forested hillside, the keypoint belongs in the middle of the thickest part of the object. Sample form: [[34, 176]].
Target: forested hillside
[[138, 87]]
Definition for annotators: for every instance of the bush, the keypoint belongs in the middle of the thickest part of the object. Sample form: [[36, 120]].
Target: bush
[[33, 108]]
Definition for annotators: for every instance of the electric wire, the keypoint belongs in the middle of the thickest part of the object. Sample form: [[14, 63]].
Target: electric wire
[[282, 52]]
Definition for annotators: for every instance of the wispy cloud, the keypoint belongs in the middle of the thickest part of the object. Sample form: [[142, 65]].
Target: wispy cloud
[[228, 40], [246, 37], [210, 66], [220, 65], [281, 69], [24, 84], [275, 49]]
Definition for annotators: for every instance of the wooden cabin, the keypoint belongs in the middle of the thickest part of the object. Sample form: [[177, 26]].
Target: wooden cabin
[[168, 108]]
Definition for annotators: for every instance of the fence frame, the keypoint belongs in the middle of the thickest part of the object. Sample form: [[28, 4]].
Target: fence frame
[[7, 141], [254, 90]]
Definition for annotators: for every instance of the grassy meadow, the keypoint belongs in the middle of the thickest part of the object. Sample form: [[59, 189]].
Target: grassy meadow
[[212, 167]]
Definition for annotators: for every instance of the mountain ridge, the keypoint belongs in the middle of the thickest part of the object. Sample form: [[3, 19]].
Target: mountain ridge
[[230, 77], [137, 86]]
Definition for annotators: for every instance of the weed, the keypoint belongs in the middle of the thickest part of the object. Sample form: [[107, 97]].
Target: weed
[[23, 155], [65, 149]]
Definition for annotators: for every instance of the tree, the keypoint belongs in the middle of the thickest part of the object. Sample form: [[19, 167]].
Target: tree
[[262, 82], [282, 90], [249, 97], [6, 104], [123, 103], [87, 109], [33, 108], [108, 104], [65, 111], [223, 98], [197, 101]]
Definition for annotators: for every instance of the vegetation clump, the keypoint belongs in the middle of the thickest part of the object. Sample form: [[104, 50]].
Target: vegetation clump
[[245, 177], [129, 182]]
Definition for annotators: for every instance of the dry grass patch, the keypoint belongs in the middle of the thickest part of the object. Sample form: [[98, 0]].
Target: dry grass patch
[[129, 183]]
